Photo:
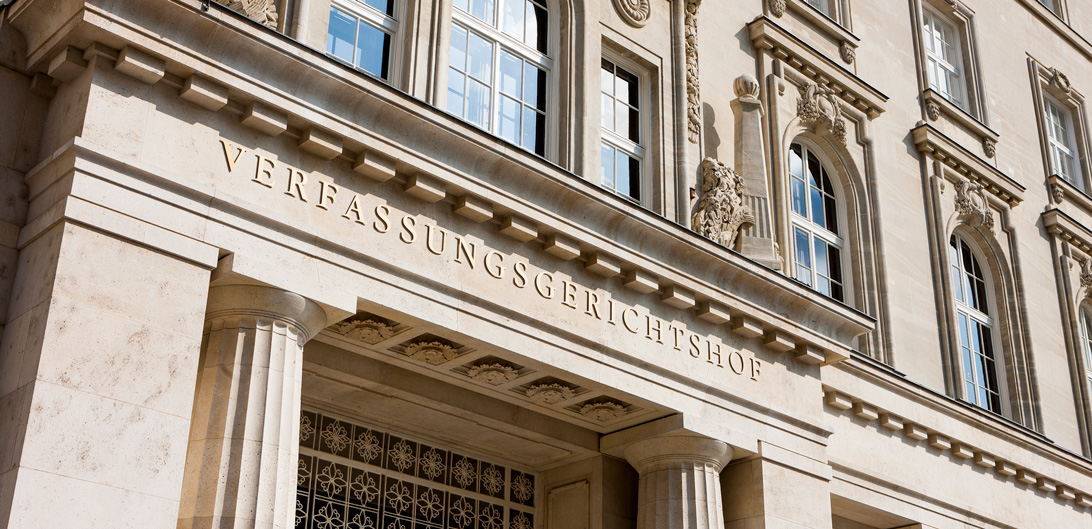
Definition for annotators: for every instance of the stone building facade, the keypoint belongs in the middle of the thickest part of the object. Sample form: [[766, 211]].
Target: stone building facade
[[550, 264]]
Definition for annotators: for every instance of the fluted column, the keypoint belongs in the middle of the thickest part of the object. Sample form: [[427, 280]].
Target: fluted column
[[241, 463], [680, 481]]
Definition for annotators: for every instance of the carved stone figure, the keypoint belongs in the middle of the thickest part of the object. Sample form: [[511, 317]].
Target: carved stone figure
[[262, 11], [932, 110], [777, 8], [634, 12], [849, 53], [693, 92], [366, 330], [819, 107], [720, 214], [972, 205], [1058, 193], [989, 147], [1086, 272]]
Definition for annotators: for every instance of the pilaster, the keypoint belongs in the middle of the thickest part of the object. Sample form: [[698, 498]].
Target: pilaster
[[241, 464]]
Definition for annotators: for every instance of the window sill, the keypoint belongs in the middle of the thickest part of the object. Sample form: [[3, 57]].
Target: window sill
[[1061, 189], [935, 105], [928, 139], [848, 42], [1060, 26]]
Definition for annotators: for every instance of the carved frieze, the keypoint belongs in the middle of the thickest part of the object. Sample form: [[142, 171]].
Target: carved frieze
[[434, 353], [818, 108], [603, 411], [493, 374], [720, 214], [263, 12], [777, 8], [693, 91], [550, 393], [634, 12], [365, 330], [972, 205]]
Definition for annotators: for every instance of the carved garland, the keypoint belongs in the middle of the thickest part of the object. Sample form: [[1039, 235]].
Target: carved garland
[[635, 12], [818, 107], [972, 205], [693, 92], [1060, 81], [263, 12], [720, 213]]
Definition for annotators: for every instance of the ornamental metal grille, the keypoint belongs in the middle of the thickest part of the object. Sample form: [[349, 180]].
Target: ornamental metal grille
[[353, 476]]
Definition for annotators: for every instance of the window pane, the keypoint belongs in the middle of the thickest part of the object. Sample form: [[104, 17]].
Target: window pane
[[830, 207], [482, 10], [534, 130], [803, 257], [622, 173], [621, 117], [512, 19], [463, 4], [537, 24], [835, 264], [817, 208], [626, 87], [458, 48], [342, 37], [534, 87], [799, 204], [606, 118], [385, 6], [508, 120], [456, 92], [796, 166], [480, 59], [606, 156], [372, 50], [634, 126], [477, 104], [606, 78], [634, 179], [821, 263], [511, 72]]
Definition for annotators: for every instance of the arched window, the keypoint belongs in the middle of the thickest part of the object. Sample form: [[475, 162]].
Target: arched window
[[976, 327], [360, 33], [499, 64], [1086, 346], [816, 236]]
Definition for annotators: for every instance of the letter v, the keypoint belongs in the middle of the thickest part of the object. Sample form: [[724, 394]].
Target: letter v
[[227, 154]]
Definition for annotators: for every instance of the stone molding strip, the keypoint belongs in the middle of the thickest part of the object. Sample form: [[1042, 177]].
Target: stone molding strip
[[1058, 223], [765, 34], [937, 104], [743, 319], [930, 140], [914, 433]]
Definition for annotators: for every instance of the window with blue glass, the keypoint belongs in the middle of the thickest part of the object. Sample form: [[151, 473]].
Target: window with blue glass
[[975, 322], [499, 68], [621, 153], [361, 34], [816, 236]]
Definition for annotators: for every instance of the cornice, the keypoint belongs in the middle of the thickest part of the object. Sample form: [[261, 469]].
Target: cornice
[[1056, 222], [766, 34], [930, 140]]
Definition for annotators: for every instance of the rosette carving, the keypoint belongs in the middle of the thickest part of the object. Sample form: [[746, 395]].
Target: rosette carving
[[434, 353], [365, 330], [603, 411], [720, 214], [635, 12], [550, 393], [492, 374]]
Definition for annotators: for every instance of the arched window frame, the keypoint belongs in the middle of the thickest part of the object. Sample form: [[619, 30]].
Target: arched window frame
[[454, 16], [812, 230], [1085, 325], [976, 308]]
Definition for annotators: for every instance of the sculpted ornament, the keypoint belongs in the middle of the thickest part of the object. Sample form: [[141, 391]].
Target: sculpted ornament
[[1058, 193], [720, 214], [849, 53], [818, 107], [492, 374], [603, 411], [1060, 81], [1086, 273], [434, 353], [693, 91], [550, 393], [989, 147], [365, 330], [263, 12], [777, 8], [972, 205], [635, 12], [932, 110]]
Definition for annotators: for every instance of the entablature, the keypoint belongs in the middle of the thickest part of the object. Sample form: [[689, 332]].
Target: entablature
[[930, 140]]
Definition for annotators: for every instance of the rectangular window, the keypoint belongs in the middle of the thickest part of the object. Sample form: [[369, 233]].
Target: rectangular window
[[943, 57], [622, 152], [360, 33], [1059, 125]]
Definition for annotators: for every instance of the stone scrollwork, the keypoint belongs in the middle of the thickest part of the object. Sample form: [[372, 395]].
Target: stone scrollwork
[[434, 353], [263, 12], [1086, 273], [635, 12], [818, 107], [603, 411], [550, 393], [693, 91], [777, 8], [493, 374], [720, 214], [972, 205], [366, 330]]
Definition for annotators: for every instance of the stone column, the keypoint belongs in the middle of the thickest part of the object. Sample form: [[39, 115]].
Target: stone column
[[756, 241], [241, 464], [680, 481]]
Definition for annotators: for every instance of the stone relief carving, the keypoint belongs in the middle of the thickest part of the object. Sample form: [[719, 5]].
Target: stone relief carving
[[1060, 81], [989, 147], [434, 353], [263, 12], [972, 205], [818, 107], [635, 12], [366, 330], [932, 110], [849, 53], [777, 8], [550, 393], [603, 411], [492, 374], [746, 86], [720, 214], [693, 92], [1086, 273], [1057, 193]]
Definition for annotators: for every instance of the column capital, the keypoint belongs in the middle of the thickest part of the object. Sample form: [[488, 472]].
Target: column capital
[[266, 302], [656, 453]]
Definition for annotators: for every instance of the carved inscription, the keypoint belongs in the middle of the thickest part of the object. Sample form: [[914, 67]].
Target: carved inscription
[[510, 271]]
